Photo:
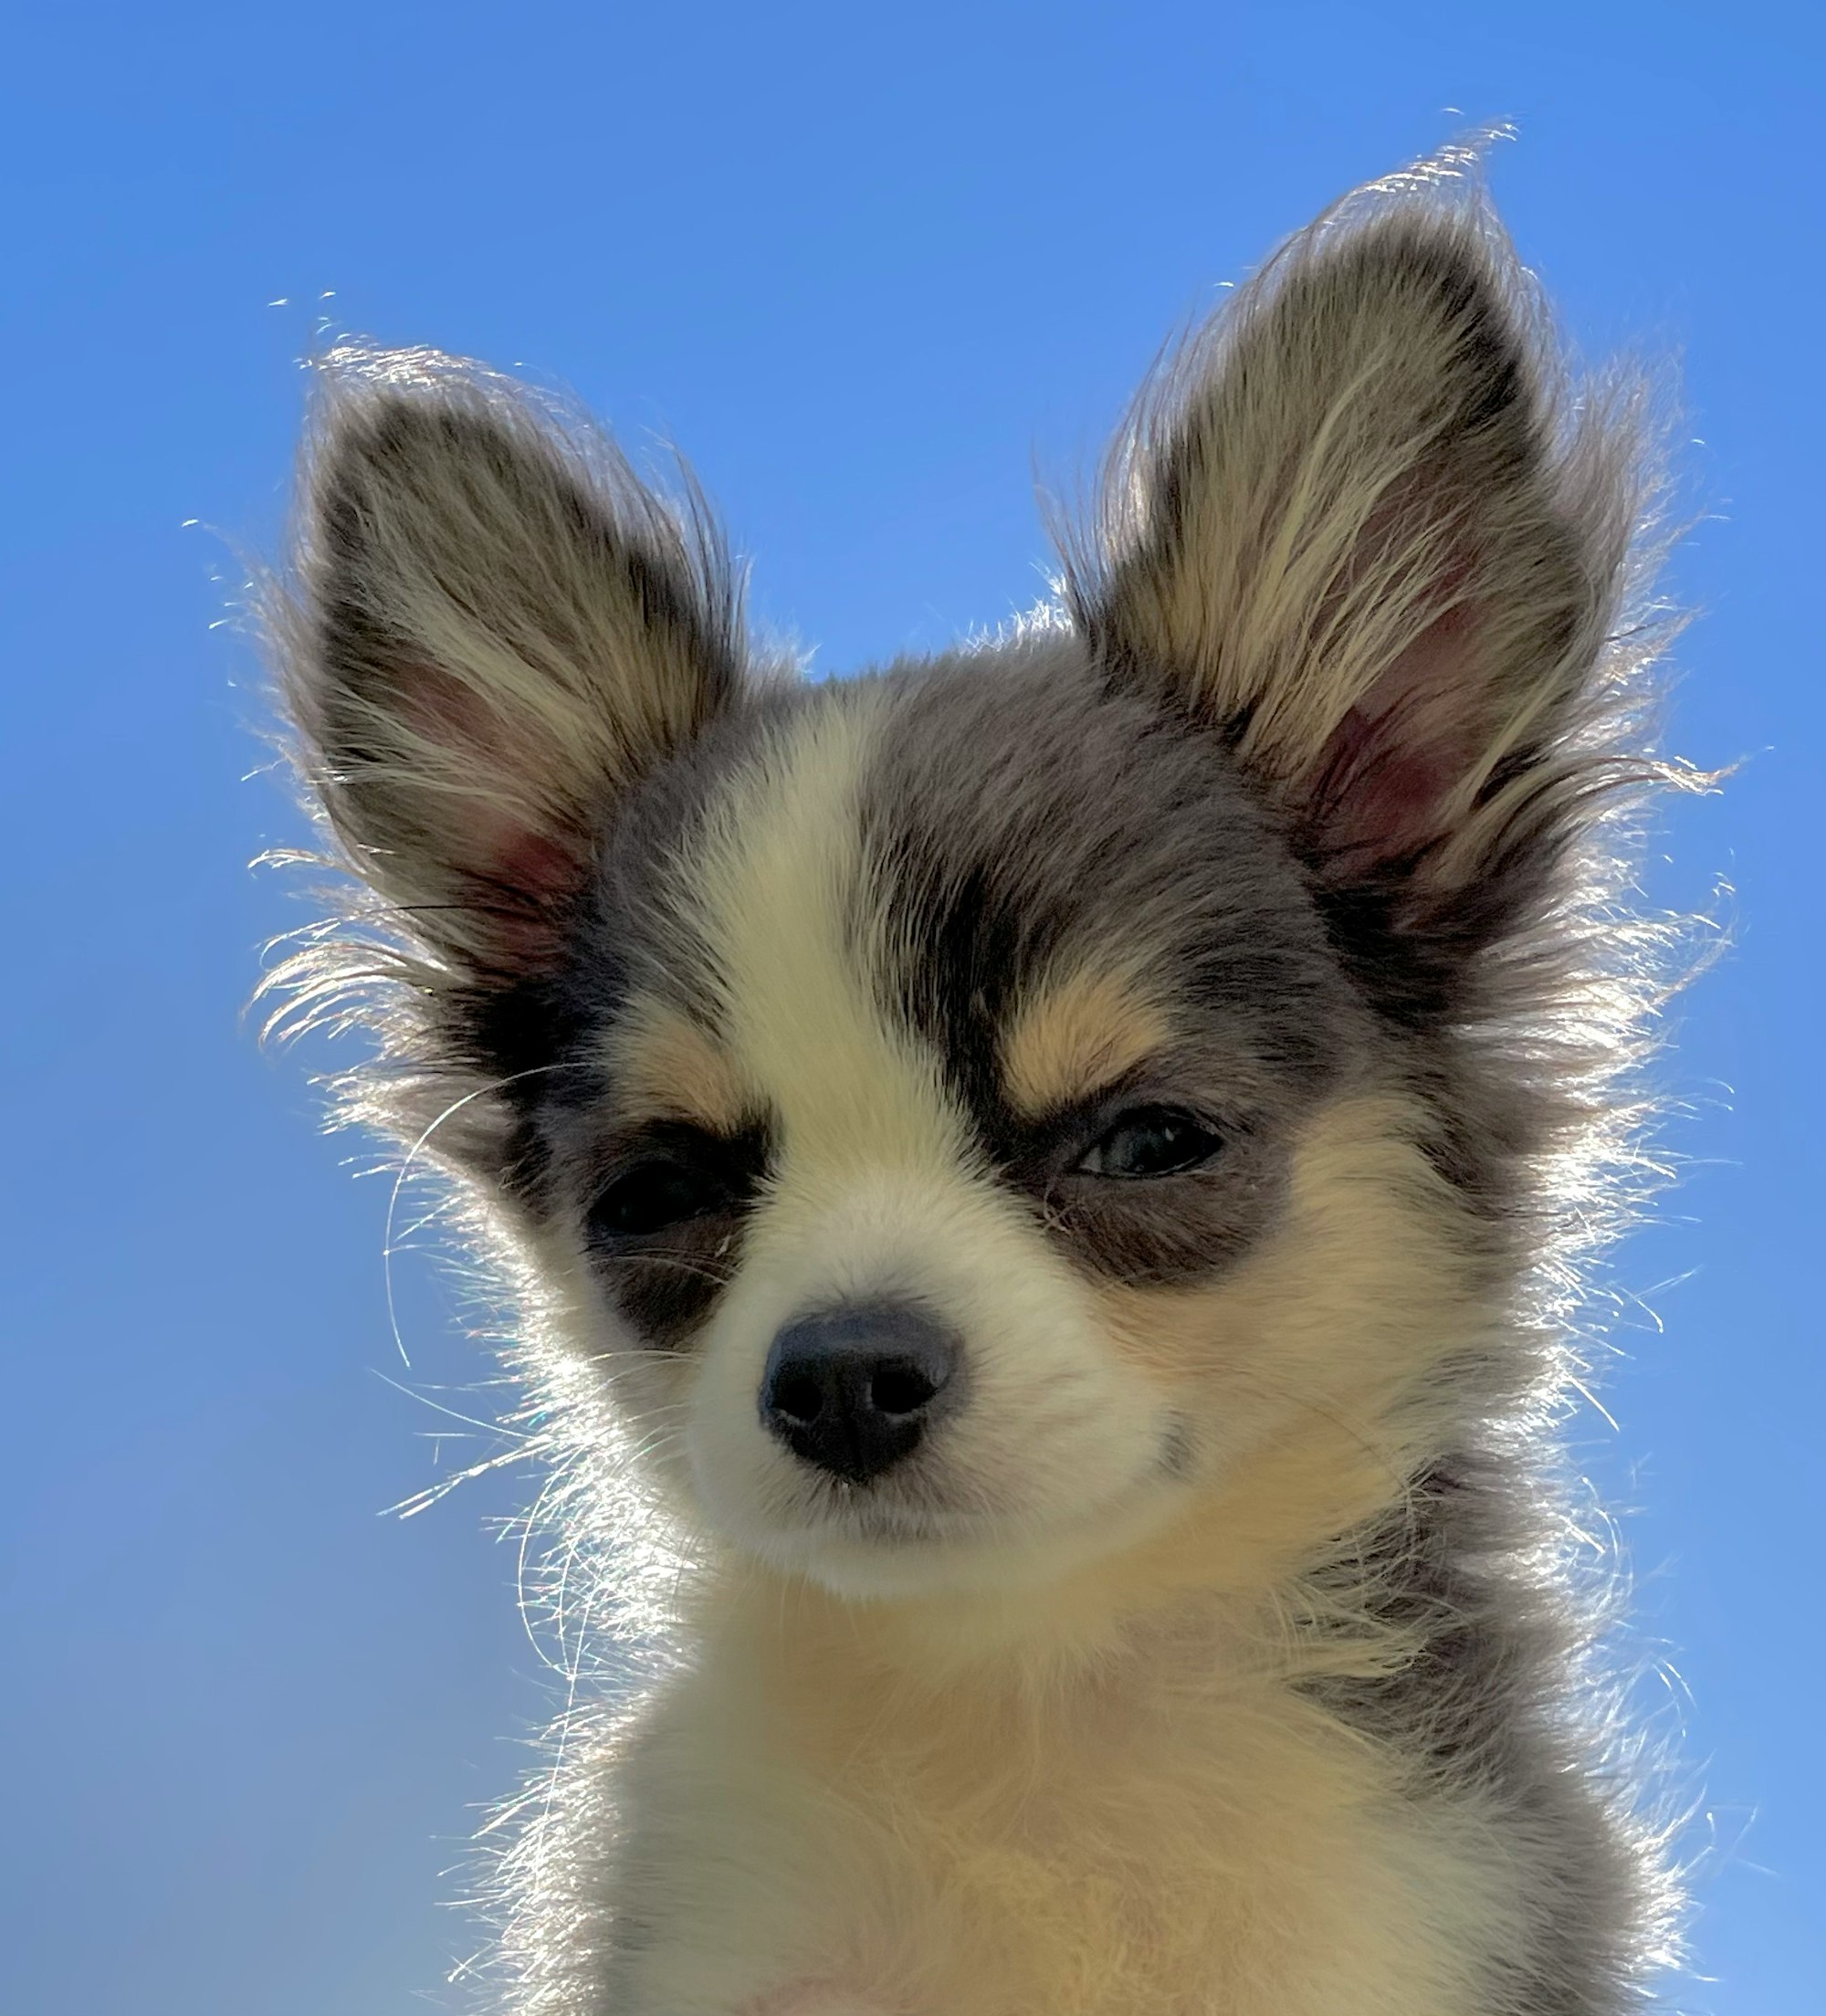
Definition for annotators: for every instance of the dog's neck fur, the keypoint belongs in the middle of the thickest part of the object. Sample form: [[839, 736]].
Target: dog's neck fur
[[1210, 1752]]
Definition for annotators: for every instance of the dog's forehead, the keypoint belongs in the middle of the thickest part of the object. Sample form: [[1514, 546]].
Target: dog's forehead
[[943, 847], [1028, 826]]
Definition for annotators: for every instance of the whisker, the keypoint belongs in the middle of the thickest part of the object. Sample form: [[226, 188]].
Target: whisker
[[425, 1399], [455, 1106], [717, 1277]]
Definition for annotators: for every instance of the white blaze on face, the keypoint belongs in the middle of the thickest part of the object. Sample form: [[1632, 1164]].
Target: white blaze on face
[[878, 1193]]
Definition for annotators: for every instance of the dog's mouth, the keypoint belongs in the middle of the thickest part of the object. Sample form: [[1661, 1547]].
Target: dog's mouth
[[916, 1523], [898, 1511], [879, 1521], [909, 1510]]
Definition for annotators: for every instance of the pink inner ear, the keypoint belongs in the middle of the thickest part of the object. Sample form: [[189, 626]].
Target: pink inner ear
[[522, 872], [528, 874], [1380, 791]]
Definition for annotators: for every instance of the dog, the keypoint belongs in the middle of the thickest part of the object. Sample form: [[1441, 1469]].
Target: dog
[[1043, 1187]]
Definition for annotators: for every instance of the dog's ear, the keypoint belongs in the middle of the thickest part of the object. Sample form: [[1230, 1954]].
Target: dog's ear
[[1361, 531], [494, 630]]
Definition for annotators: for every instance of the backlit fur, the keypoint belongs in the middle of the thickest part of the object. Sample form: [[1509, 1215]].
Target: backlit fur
[[1219, 1651]]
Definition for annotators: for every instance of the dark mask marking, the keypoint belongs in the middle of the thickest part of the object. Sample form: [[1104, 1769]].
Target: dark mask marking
[[1018, 819]]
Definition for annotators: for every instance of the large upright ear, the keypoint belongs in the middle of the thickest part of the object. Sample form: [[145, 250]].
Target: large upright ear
[[492, 631], [1362, 530]]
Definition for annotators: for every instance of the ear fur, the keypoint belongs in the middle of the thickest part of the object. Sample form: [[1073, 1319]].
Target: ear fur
[[1362, 530], [494, 630]]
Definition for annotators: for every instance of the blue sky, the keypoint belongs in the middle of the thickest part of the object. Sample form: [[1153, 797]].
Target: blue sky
[[870, 268]]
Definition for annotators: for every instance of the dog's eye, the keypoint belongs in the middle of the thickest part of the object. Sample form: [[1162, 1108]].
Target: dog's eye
[[656, 1194], [1150, 1140]]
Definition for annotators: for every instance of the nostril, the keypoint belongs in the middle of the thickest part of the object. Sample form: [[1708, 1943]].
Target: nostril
[[797, 1395], [901, 1387]]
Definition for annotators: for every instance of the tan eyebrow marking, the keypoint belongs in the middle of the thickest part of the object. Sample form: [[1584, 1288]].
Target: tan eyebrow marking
[[664, 1066], [1075, 1036]]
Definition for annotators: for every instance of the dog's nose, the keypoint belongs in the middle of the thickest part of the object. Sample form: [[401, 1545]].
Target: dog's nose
[[853, 1389]]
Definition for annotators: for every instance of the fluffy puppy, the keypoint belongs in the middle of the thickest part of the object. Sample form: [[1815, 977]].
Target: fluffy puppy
[[1048, 1175]]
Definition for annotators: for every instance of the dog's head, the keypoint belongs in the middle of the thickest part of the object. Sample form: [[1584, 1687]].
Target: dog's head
[[972, 1112]]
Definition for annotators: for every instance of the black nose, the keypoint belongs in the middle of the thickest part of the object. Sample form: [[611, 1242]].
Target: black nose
[[853, 1389]]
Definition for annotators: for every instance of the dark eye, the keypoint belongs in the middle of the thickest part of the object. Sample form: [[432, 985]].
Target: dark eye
[[656, 1194], [1150, 1140]]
